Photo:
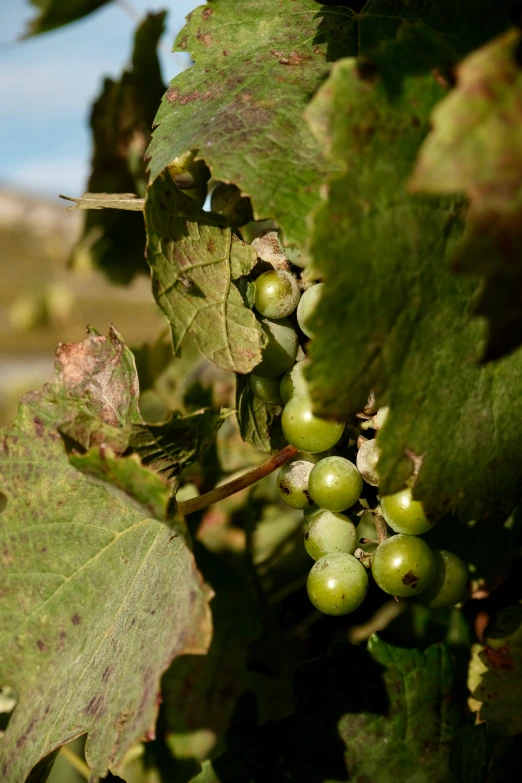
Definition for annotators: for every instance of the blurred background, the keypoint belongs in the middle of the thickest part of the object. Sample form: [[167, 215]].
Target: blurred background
[[51, 287]]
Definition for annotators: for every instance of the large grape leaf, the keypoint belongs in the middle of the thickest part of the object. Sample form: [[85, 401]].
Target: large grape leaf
[[113, 240], [386, 715], [475, 148], [394, 319], [195, 263], [96, 599], [56, 13], [240, 105], [500, 689]]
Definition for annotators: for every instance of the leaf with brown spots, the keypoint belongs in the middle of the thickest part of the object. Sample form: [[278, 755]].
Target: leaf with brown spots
[[195, 262], [500, 689], [475, 148], [97, 599], [241, 105]]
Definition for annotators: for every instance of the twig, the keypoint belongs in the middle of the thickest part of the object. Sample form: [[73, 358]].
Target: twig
[[75, 761], [246, 480], [380, 527]]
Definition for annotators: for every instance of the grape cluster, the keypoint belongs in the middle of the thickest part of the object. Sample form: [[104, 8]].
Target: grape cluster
[[339, 526]]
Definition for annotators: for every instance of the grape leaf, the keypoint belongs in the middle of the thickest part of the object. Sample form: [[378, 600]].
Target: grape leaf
[[195, 263], [396, 720], [86, 581], [121, 121], [56, 13], [500, 689], [241, 103], [255, 417], [411, 336], [474, 149]]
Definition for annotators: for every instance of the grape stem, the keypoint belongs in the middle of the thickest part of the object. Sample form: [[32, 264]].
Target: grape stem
[[380, 527], [246, 480]]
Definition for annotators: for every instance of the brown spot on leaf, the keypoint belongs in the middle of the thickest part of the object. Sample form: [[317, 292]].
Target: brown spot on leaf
[[410, 579], [499, 659], [206, 13], [172, 94], [106, 673], [95, 706], [41, 645], [38, 426], [76, 619], [7, 557], [211, 246]]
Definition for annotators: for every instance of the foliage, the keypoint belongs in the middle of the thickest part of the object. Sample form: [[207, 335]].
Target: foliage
[[55, 13], [376, 142]]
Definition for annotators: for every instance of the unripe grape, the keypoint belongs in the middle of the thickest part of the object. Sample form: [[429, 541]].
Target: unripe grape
[[309, 515], [449, 584], [266, 389], [293, 381], [277, 294], [337, 584], [403, 565], [307, 307], [292, 484], [188, 173], [335, 483], [329, 532], [367, 459], [306, 431], [404, 514], [227, 200], [366, 529], [281, 349], [295, 256]]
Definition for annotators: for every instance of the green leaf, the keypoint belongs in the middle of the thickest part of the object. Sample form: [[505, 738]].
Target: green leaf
[[241, 103], [56, 13], [500, 690], [411, 336], [474, 148], [386, 715], [121, 120], [96, 599], [195, 263], [255, 418]]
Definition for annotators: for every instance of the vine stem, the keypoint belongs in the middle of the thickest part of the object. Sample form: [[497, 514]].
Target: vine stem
[[246, 480], [380, 527]]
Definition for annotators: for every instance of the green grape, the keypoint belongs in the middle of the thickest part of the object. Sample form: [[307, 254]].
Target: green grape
[[337, 584], [366, 529], [403, 565], [293, 381], [227, 200], [404, 514], [188, 173], [281, 349], [367, 459], [307, 307], [277, 294], [306, 431], [449, 585], [295, 256], [335, 483], [309, 515], [292, 484], [266, 389], [329, 532]]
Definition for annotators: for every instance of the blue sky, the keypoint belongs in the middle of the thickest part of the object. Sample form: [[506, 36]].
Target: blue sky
[[48, 83]]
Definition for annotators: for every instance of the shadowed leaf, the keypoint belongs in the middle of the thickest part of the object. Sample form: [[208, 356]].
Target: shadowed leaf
[[56, 13]]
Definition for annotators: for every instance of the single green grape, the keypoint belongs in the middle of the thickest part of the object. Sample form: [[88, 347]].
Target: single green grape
[[307, 307], [309, 515], [295, 256], [187, 172], [449, 585], [367, 459], [266, 389], [337, 584], [293, 381], [306, 431], [366, 529], [277, 294], [329, 532], [404, 514], [281, 349], [403, 565], [292, 484], [335, 483], [227, 200]]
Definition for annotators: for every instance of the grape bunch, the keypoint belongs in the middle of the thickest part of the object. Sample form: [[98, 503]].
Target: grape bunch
[[337, 496]]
